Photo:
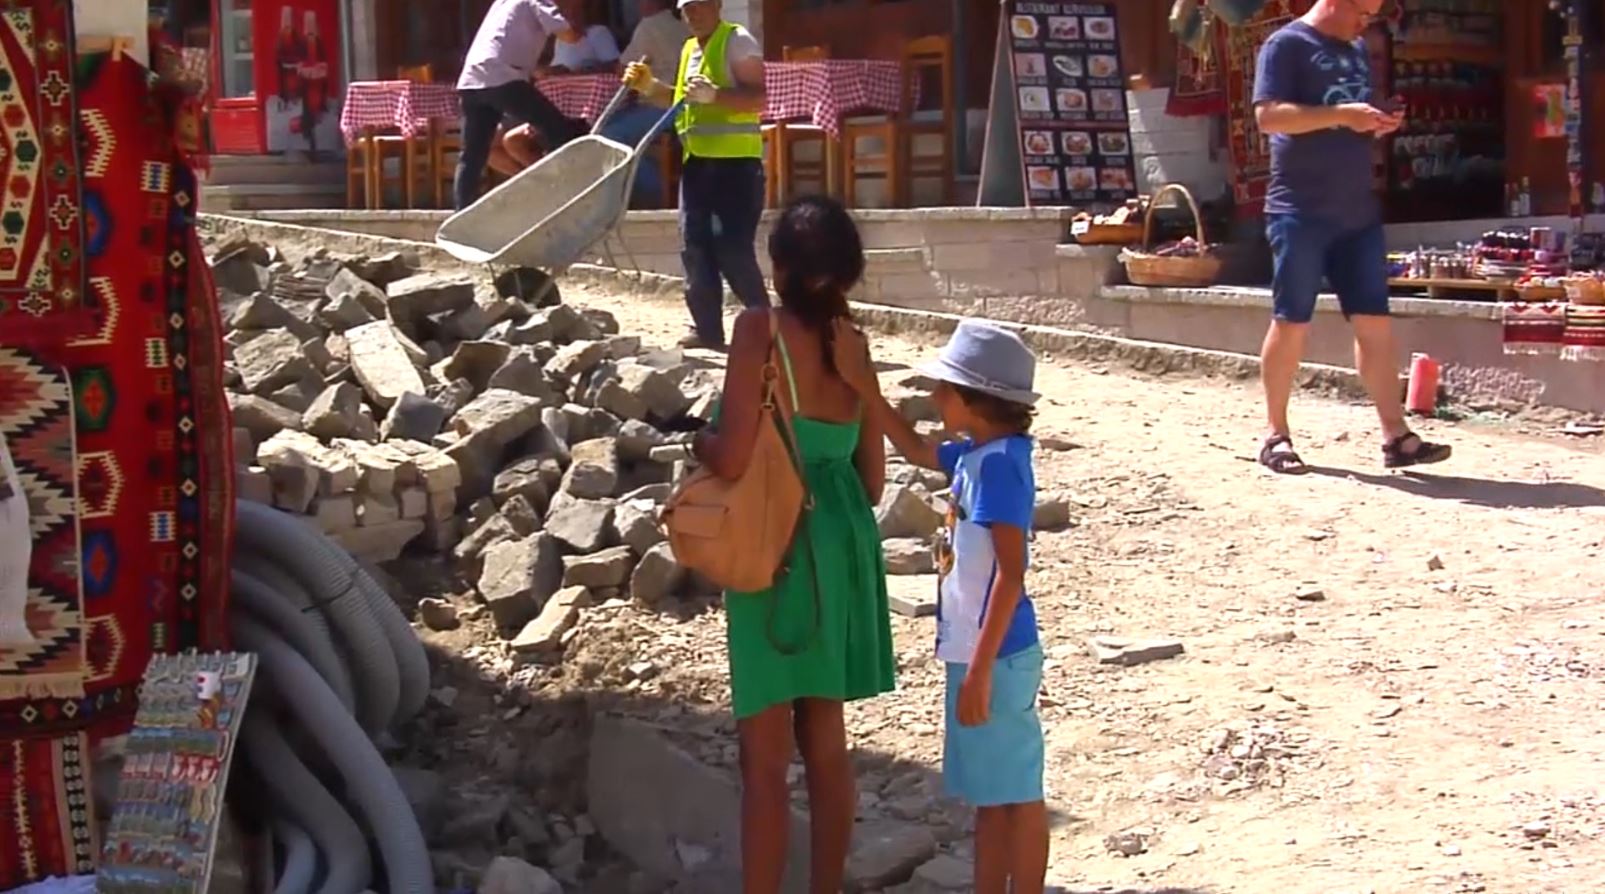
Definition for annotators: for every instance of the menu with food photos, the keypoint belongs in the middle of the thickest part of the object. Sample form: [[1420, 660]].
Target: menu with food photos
[[1069, 98]]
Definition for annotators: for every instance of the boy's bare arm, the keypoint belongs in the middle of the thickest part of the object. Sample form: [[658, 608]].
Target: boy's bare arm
[[915, 447]]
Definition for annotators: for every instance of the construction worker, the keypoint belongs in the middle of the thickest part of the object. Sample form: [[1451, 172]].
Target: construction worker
[[721, 78]]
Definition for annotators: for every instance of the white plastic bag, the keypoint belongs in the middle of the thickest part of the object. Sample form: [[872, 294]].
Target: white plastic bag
[[16, 550]]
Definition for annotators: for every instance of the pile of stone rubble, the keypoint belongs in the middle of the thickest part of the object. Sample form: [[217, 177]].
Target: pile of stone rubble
[[405, 410]]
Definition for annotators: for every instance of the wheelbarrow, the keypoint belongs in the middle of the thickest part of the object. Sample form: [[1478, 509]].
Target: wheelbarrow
[[557, 212]]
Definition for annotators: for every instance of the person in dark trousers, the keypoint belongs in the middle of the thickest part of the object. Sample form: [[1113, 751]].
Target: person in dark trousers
[[496, 82], [721, 78], [1313, 97]]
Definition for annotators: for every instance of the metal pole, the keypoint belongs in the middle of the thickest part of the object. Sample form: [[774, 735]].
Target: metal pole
[[961, 105]]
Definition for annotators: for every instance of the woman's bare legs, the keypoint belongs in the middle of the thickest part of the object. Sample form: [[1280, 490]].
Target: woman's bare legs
[[766, 749], [832, 797]]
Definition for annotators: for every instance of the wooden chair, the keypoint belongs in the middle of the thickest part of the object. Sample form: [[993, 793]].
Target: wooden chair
[[893, 158], [445, 144], [418, 74], [783, 167], [413, 159]]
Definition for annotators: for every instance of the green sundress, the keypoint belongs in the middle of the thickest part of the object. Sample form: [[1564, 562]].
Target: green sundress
[[782, 645]]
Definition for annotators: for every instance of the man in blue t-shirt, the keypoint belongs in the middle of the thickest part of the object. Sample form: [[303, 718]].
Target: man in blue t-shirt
[[1313, 97]]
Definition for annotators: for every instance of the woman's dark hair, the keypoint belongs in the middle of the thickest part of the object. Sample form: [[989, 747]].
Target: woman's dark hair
[[818, 258], [1006, 413]]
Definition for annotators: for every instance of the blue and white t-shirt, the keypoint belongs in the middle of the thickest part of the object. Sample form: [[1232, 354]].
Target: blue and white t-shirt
[[992, 484]]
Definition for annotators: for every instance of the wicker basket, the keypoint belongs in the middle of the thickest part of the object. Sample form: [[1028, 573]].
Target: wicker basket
[[1110, 234], [1146, 269], [1587, 290]]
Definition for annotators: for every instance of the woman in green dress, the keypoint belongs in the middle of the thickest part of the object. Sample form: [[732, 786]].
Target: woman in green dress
[[822, 635]]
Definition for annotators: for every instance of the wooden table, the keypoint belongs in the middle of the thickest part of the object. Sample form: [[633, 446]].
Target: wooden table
[[1450, 288]]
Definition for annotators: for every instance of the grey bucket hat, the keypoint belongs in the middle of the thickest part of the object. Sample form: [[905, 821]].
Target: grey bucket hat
[[989, 359]]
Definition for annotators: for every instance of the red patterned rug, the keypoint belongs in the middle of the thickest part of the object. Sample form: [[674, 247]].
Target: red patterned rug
[[1199, 89], [154, 471], [36, 420], [48, 828], [42, 296], [1251, 153]]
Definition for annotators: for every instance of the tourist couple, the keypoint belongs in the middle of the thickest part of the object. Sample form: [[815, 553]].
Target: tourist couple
[[822, 635]]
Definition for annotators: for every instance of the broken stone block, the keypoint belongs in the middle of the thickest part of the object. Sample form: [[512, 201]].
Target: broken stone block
[[524, 479], [593, 472], [438, 614], [261, 417], [906, 555], [452, 396], [904, 513], [1129, 652], [604, 323], [258, 312], [378, 509], [469, 550], [414, 502], [475, 361], [336, 413], [426, 294], [912, 595], [271, 361], [468, 324], [518, 577], [485, 429], [413, 417], [290, 468], [379, 543], [582, 525], [657, 576], [335, 514], [636, 440], [525, 373], [252, 483], [297, 397], [618, 401], [381, 364], [545, 632], [1052, 514], [635, 524], [521, 516], [886, 854], [244, 446], [439, 472], [662, 397], [510, 875], [367, 295], [575, 360], [344, 311], [608, 568], [382, 270]]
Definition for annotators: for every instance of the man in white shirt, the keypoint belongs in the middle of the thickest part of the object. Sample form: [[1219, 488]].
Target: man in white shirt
[[596, 50], [658, 39], [495, 82]]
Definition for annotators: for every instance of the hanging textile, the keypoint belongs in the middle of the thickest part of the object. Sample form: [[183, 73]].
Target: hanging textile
[[48, 826], [42, 297], [1534, 327], [1585, 332], [36, 422], [1250, 150], [1200, 88]]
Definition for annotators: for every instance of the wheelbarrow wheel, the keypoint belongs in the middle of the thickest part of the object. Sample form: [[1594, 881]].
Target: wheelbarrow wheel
[[529, 285]]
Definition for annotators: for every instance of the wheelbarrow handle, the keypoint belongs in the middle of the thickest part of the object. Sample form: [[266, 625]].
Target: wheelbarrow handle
[[610, 108], [663, 122]]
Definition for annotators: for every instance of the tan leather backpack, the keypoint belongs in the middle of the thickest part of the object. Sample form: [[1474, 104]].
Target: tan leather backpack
[[739, 533]]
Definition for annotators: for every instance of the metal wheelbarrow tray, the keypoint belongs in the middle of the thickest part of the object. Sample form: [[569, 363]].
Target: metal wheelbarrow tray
[[553, 213]]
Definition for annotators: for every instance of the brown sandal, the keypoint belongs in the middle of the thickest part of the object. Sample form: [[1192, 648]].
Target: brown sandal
[[1423, 452], [1281, 461]]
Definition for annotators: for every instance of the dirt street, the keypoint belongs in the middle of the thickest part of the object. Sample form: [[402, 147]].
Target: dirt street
[[1391, 683]]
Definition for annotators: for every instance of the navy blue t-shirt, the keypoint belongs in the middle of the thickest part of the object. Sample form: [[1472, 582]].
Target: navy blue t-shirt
[[1326, 174]]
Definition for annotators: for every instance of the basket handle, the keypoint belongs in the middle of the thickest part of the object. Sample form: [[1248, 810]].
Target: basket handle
[[1153, 203]]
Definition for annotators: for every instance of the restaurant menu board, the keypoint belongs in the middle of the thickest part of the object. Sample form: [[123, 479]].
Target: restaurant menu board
[[1070, 98]]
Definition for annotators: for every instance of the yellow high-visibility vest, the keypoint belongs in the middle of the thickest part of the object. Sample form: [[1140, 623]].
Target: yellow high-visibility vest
[[710, 131]]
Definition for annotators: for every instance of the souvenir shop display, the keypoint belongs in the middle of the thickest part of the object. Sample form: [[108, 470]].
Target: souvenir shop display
[[1123, 226], [1188, 262], [169, 804]]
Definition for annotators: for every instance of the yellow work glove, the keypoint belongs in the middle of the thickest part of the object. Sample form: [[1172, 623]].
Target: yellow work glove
[[700, 90], [637, 77]]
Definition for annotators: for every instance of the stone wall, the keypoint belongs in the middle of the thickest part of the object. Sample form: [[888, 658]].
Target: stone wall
[[1175, 150]]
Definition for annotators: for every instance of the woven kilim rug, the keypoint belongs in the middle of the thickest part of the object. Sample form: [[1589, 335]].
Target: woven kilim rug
[[49, 824], [1250, 149], [1585, 333], [42, 296], [36, 419], [1534, 327]]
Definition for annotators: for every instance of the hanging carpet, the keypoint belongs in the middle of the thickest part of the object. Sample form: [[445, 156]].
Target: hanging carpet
[[48, 826]]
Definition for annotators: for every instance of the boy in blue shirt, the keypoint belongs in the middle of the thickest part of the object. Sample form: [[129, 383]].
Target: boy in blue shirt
[[986, 629]]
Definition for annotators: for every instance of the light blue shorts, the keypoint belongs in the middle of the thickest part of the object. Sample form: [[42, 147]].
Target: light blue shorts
[[999, 762]]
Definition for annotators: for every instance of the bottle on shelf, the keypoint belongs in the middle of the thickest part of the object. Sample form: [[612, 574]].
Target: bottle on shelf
[[1526, 197]]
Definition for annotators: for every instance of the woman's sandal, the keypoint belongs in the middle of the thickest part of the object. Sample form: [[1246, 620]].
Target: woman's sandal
[[1394, 456], [1277, 455]]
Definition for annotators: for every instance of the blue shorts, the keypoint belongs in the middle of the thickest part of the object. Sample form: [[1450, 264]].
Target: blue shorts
[[1304, 252], [999, 762]]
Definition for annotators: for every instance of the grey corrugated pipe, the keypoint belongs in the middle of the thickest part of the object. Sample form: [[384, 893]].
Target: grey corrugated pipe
[[296, 548], [286, 586], [297, 629], [298, 794], [300, 858], [368, 782]]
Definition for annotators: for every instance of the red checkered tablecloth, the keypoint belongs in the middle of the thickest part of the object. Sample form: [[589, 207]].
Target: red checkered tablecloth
[[824, 93], [396, 105], [581, 96]]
